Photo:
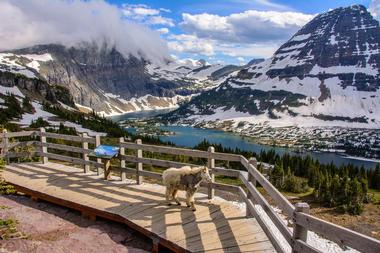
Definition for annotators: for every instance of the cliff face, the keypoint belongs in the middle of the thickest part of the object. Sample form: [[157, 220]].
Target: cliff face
[[107, 81], [90, 72], [36, 88]]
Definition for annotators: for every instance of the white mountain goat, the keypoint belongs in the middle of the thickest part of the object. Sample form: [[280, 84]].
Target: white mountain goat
[[186, 179]]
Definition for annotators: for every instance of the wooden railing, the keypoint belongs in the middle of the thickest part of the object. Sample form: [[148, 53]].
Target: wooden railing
[[256, 204]]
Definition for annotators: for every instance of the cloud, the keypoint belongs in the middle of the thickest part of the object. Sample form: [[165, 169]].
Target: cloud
[[185, 43], [159, 20], [139, 10], [247, 27], [70, 22], [163, 30], [145, 14], [374, 8]]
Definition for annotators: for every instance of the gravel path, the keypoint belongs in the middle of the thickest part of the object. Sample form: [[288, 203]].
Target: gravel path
[[54, 229]]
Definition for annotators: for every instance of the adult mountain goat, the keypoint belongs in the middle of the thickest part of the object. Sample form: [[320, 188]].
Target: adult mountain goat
[[186, 179]]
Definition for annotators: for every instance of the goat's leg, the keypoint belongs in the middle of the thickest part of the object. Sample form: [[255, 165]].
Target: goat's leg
[[174, 195], [192, 202], [168, 195], [188, 196]]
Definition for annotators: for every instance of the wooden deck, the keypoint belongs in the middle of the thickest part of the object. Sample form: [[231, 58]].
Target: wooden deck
[[216, 226]]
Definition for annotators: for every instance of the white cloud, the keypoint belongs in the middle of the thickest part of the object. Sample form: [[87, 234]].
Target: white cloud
[[186, 43], [139, 10], [163, 30], [374, 8], [247, 27], [159, 20], [145, 14], [190, 44], [69, 22]]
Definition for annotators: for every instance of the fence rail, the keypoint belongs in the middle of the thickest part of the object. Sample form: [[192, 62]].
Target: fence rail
[[302, 221]]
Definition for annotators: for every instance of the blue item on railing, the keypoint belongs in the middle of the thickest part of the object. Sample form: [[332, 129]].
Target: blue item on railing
[[105, 151]]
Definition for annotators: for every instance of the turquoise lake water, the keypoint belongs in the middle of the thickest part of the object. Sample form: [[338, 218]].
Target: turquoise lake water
[[187, 136]]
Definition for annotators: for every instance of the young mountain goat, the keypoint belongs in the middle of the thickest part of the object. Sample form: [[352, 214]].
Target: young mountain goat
[[186, 179]]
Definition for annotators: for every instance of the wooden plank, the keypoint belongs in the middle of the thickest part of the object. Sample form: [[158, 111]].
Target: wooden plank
[[226, 172], [302, 247], [338, 234], [17, 134], [151, 174], [72, 159], [226, 157], [225, 187], [137, 206], [68, 137], [166, 150], [211, 165], [66, 148], [123, 174], [279, 199], [270, 234], [139, 165], [276, 219], [22, 144], [21, 154], [182, 151], [154, 162], [43, 149]]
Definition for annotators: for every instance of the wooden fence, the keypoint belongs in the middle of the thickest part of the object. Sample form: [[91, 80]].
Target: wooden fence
[[296, 237]]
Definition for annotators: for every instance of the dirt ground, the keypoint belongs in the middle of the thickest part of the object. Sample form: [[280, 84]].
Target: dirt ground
[[44, 227], [367, 223]]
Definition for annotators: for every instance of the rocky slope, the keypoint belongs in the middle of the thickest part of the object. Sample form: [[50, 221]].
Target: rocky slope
[[327, 74], [104, 80]]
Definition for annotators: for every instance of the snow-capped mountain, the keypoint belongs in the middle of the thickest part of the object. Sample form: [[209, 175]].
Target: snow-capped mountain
[[327, 74], [104, 80]]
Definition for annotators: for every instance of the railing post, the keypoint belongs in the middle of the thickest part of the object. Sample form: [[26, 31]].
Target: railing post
[[43, 147], [300, 232], [86, 167], [123, 175], [139, 165], [5, 144], [251, 179], [98, 160], [211, 166]]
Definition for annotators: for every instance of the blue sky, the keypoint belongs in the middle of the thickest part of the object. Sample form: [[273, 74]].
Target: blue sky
[[219, 31], [226, 31]]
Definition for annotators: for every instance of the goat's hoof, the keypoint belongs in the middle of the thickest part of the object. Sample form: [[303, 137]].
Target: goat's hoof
[[188, 205], [193, 209], [178, 204], [169, 204]]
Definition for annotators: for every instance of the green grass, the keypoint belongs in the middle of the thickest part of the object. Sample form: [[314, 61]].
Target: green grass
[[299, 195], [8, 229], [375, 195]]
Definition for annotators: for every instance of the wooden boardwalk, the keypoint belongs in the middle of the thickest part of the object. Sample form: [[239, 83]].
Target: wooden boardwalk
[[216, 226]]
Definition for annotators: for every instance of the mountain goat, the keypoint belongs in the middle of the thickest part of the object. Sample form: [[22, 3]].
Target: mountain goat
[[186, 179]]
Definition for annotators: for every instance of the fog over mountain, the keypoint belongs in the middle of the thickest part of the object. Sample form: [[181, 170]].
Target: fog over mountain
[[69, 23]]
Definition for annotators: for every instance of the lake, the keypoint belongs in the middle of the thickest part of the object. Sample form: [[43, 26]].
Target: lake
[[187, 136]]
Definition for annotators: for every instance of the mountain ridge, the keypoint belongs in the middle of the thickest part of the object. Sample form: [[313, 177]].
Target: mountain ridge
[[327, 74]]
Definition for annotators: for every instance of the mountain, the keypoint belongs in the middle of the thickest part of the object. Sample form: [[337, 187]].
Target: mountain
[[327, 74], [108, 82]]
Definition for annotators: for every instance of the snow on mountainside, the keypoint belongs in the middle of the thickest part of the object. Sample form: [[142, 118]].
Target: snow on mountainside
[[327, 74], [104, 80]]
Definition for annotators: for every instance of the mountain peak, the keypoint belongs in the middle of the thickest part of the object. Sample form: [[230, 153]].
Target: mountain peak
[[327, 71], [345, 37]]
